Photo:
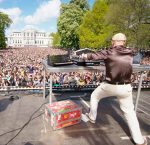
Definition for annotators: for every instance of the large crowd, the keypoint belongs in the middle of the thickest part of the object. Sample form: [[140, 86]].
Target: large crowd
[[145, 60], [22, 67]]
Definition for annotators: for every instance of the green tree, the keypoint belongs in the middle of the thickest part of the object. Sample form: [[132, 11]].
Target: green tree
[[83, 4], [55, 39], [69, 21], [132, 18], [94, 32], [5, 22]]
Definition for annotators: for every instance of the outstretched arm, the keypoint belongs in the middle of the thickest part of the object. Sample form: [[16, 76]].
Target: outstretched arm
[[95, 56]]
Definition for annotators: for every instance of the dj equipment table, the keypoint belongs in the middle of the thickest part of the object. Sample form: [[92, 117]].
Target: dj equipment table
[[75, 68], [67, 68]]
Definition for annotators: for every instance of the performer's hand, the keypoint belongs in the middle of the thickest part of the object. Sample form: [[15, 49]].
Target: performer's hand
[[83, 56]]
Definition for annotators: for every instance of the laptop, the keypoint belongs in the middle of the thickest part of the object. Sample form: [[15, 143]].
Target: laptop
[[59, 60]]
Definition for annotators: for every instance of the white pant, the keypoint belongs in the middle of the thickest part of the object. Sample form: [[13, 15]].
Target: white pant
[[124, 95]]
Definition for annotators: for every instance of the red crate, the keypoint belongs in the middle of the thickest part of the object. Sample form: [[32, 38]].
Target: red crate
[[62, 114]]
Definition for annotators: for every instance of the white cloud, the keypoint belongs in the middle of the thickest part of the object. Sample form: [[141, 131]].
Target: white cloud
[[30, 27], [14, 14], [45, 12]]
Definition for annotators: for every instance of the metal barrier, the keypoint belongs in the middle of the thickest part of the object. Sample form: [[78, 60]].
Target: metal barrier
[[15, 88], [66, 87]]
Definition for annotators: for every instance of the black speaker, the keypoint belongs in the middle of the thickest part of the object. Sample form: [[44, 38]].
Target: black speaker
[[58, 60]]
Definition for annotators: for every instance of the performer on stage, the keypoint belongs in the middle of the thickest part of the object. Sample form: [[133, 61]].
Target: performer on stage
[[118, 61]]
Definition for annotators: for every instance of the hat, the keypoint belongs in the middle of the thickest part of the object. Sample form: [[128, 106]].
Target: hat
[[119, 36]]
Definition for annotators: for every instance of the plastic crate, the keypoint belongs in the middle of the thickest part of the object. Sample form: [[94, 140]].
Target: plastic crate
[[62, 114]]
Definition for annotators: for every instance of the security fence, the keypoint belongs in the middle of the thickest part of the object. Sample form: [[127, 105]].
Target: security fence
[[145, 85]]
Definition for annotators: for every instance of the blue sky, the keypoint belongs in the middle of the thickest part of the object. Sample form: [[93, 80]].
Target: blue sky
[[39, 14]]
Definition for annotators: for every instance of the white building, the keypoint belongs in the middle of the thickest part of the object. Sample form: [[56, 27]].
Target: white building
[[29, 38]]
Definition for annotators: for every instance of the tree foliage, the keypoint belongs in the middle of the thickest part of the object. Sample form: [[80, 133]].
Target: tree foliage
[[132, 18], [5, 22], [95, 29], [82, 4], [69, 21], [94, 32], [56, 39]]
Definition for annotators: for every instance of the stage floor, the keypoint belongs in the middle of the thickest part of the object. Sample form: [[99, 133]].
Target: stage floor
[[110, 127]]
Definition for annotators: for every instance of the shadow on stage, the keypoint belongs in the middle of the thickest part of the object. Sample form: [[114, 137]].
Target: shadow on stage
[[105, 131], [4, 103]]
